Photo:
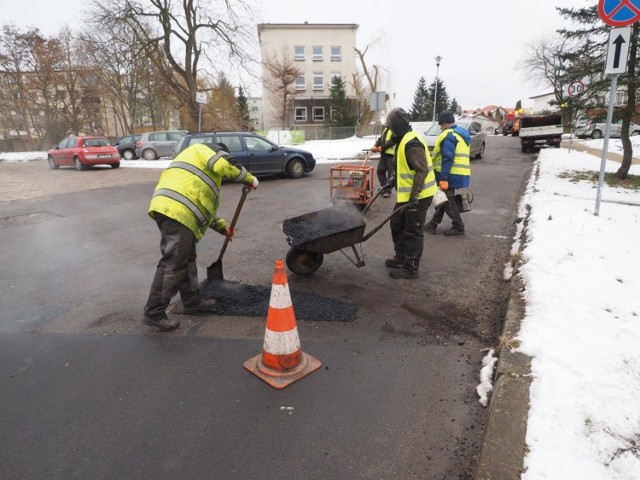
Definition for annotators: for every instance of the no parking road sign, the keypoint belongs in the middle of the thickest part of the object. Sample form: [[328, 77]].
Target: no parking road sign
[[619, 13]]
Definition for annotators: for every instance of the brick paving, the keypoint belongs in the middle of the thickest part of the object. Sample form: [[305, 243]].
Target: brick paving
[[34, 179]]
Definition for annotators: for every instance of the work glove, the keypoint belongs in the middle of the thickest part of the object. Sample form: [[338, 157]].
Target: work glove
[[255, 183], [412, 204], [376, 149], [444, 185], [229, 233]]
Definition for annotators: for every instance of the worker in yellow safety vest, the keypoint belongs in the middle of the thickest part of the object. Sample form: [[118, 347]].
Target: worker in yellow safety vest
[[453, 170], [386, 145], [415, 188], [184, 206]]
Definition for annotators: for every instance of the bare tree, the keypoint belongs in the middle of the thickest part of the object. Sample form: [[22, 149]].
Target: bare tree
[[281, 75], [364, 84], [176, 36]]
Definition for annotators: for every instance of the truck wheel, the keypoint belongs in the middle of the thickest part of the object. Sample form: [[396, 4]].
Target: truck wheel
[[634, 133], [481, 152], [596, 134], [524, 149]]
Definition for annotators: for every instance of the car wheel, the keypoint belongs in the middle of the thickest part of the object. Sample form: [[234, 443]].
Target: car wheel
[[481, 152], [128, 155], [149, 154], [78, 163], [52, 164], [635, 132], [303, 262], [295, 168], [596, 134], [115, 165]]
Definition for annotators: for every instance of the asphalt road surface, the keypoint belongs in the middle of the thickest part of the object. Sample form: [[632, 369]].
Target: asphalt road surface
[[90, 392]]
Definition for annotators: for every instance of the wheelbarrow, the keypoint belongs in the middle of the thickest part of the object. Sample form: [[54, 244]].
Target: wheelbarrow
[[328, 230]]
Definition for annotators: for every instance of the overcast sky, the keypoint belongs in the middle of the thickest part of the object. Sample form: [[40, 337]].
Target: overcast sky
[[480, 42]]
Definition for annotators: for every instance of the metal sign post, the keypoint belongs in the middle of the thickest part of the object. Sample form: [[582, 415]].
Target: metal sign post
[[201, 97], [615, 64]]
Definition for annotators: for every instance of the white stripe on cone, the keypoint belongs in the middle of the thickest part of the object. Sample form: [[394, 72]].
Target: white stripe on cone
[[280, 297], [281, 343]]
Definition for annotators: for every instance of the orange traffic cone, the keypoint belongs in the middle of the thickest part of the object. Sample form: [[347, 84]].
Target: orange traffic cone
[[282, 361]]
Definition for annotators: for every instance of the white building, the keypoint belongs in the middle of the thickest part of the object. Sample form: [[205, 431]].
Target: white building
[[318, 52]]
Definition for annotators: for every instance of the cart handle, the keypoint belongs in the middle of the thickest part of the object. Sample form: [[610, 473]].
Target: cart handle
[[397, 210]]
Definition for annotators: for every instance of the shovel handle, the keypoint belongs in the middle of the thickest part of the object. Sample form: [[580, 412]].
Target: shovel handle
[[245, 192]]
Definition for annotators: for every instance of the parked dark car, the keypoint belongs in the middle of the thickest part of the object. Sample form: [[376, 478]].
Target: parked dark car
[[257, 154], [81, 152], [127, 146]]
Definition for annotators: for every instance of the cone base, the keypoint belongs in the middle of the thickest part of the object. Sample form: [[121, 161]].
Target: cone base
[[282, 378]]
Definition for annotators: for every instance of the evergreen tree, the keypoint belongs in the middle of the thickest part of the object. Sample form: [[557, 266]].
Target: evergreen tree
[[339, 105], [590, 38], [454, 107], [442, 100], [243, 111], [518, 105], [419, 111]]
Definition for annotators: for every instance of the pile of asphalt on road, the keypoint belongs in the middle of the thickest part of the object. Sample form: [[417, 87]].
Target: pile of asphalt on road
[[237, 299]]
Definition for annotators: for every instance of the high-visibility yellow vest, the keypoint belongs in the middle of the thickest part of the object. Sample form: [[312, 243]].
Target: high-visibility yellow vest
[[405, 174], [189, 189], [386, 136], [461, 164]]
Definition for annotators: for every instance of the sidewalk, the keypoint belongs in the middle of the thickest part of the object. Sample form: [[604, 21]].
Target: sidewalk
[[503, 447]]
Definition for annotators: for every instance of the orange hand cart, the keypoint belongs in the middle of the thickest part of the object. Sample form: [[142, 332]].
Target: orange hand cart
[[352, 183]]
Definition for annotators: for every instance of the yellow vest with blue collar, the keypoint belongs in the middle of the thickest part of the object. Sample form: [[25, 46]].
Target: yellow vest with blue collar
[[461, 164], [405, 174]]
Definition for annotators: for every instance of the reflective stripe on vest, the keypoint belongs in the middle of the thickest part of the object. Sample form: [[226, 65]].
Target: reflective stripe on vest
[[222, 154], [405, 174], [196, 171], [461, 164], [178, 197]]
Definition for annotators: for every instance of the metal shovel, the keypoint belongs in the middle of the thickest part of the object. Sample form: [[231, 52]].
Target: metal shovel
[[214, 271]]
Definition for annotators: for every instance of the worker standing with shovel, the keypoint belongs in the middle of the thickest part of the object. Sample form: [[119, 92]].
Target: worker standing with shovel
[[184, 205]]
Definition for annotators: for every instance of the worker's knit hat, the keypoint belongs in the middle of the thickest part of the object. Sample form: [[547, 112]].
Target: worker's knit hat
[[446, 117], [398, 121]]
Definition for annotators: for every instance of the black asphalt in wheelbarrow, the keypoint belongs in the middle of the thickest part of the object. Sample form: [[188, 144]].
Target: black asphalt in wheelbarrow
[[325, 231]]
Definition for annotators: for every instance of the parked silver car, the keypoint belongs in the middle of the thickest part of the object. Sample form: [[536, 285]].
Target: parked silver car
[[589, 129], [478, 137], [153, 145]]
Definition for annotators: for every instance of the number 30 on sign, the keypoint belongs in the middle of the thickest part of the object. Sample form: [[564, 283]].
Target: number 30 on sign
[[575, 88]]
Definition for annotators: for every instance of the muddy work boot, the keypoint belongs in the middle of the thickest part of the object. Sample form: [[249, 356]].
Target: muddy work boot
[[394, 262], [205, 307], [402, 273], [430, 227], [161, 322]]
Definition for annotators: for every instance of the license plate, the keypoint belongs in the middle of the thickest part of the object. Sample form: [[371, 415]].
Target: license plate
[[104, 156]]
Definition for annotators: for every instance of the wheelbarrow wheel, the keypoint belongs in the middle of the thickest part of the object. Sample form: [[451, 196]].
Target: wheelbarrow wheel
[[303, 262]]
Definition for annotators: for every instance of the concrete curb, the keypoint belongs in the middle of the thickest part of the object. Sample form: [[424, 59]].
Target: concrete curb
[[503, 443]]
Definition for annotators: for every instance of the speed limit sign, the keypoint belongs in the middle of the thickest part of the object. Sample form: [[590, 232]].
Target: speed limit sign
[[575, 88]]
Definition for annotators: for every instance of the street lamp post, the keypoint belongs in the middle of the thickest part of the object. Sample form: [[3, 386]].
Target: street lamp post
[[435, 94]]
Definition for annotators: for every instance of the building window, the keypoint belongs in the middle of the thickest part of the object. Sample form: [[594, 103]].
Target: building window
[[317, 53], [336, 54], [301, 82], [318, 81], [318, 114], [298, 52], [301, 114]]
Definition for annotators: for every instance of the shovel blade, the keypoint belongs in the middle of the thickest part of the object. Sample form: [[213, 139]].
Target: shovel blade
[[214, 271]]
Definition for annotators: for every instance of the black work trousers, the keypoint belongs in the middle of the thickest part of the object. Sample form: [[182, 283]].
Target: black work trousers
[[385, 169], [407, 233], [177, 270], [451, 209]]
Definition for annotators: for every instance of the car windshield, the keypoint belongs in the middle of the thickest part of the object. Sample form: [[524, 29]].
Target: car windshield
[[96, 142], [434, 130]]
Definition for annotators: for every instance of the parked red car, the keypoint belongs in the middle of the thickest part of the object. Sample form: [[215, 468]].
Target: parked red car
[[83, 152]]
